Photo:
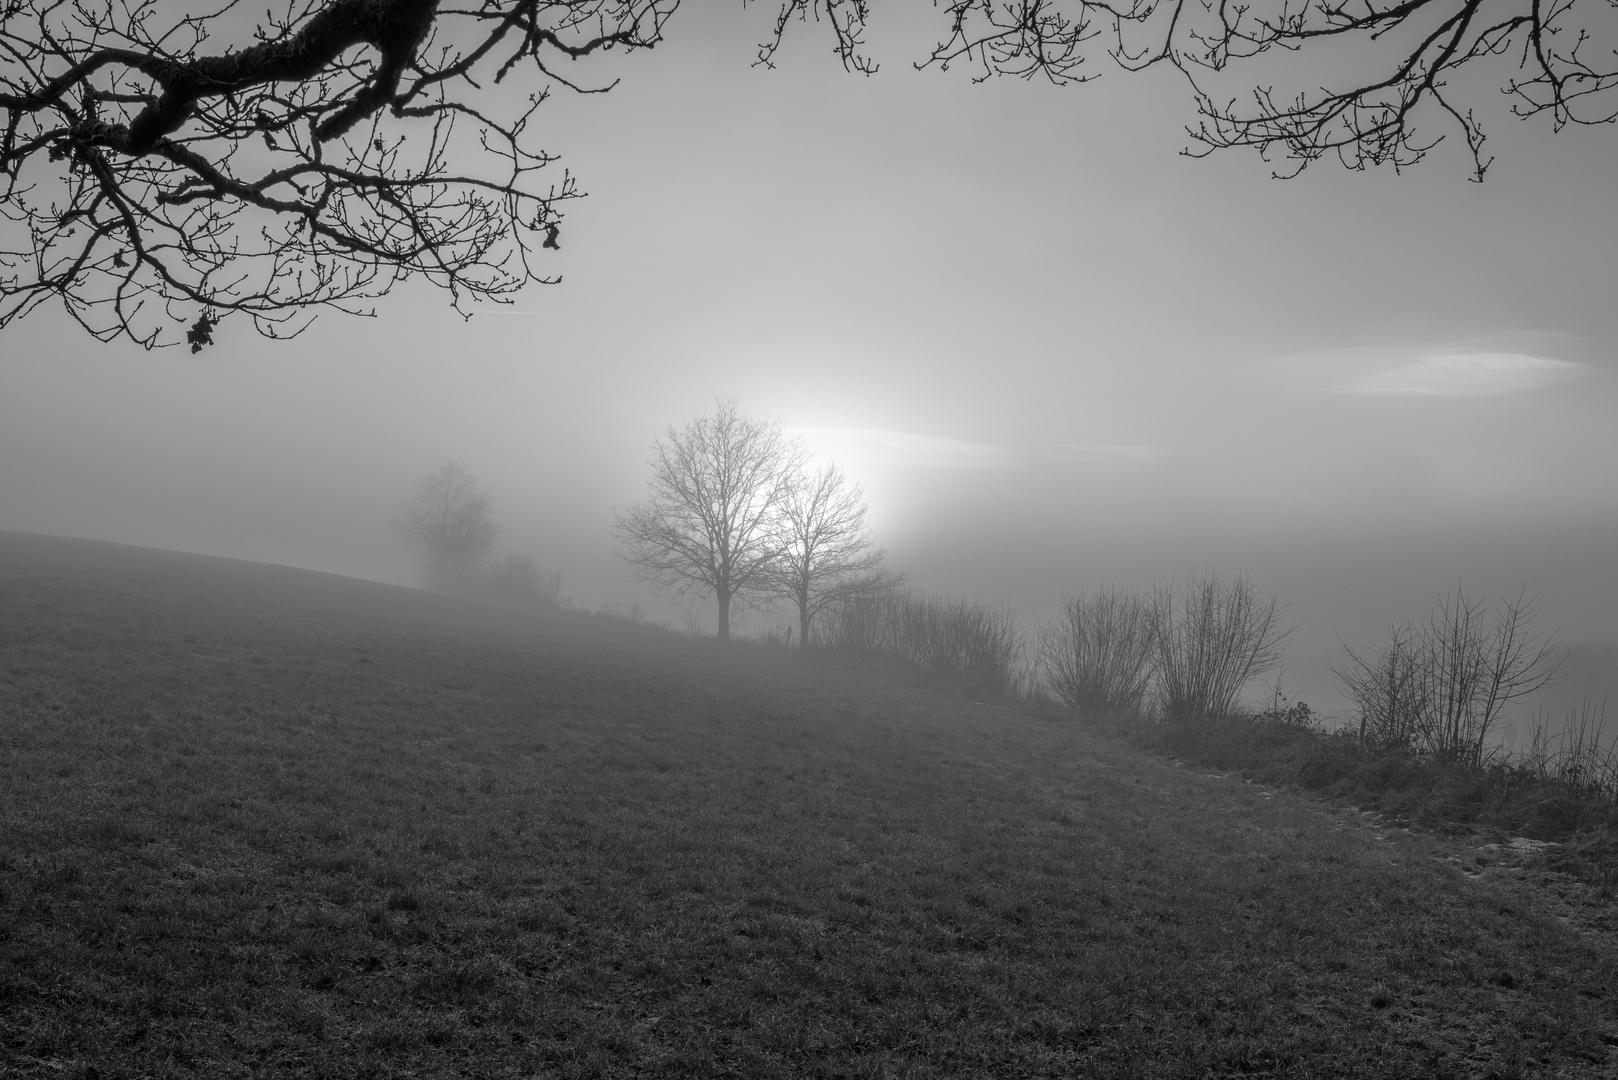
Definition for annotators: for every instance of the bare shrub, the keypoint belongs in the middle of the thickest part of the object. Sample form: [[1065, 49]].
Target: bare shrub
[[517, 579], [1441, 689], [975, 645], [1388, 687], [1477, 672], [867, 625], [1100, 655], [1214, 636]]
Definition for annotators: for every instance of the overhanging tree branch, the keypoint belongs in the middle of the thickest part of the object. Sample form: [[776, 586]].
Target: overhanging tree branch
[[152, 178]]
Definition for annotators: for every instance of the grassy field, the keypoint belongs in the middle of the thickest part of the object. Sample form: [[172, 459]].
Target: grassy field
[[263, 822]]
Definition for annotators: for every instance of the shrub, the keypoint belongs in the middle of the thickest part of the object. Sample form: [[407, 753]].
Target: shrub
[[1439, 690], [1099, 657], [1389, 690], [517, 579], [976, 646], [1214, 636]]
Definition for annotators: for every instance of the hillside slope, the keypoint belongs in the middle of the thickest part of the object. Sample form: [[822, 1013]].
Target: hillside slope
[[259, 821]]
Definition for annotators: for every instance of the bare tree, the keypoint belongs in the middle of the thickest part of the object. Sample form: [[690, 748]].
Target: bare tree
[[449, 520], [713, 522], [1214, 637], [829, 554], [1100, 656], [162, 168]]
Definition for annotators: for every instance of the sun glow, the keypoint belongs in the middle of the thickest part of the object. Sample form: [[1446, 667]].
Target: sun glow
[[881, 446]]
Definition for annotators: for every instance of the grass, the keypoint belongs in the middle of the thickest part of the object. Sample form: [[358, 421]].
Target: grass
[[255, 821], [1504, 797]]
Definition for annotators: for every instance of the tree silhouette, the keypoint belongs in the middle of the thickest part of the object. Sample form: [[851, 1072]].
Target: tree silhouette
[[449, 520], [827, 554], [313, 161], [1371, 73], [163, 170], [713, 522]]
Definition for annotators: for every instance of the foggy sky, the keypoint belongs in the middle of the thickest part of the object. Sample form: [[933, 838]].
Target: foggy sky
[[1056, 353]]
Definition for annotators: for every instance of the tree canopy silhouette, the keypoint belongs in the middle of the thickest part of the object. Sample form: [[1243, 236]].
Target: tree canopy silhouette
[[450, 520], [828, 554], [162, 169], [713, 519]]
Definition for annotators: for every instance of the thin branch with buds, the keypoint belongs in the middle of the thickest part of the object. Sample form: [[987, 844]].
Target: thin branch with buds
[[151, 180]]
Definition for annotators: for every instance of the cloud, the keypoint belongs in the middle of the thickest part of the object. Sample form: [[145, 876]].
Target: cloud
[[909, 448], [1466, 375], [1105, 453]]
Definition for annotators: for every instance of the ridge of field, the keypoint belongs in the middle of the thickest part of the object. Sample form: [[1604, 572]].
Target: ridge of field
[[261, 821]]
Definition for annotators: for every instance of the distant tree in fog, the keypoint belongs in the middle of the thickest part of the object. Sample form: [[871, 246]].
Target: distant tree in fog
[[449, 520], [828, 554], [713, 522]]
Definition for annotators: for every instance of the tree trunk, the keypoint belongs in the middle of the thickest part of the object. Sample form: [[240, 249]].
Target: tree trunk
[[803, 618], [724, 615]]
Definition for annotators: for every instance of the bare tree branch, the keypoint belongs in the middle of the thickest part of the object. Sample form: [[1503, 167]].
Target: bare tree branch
[[151, 179], [829, 554], [1396, 64]]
